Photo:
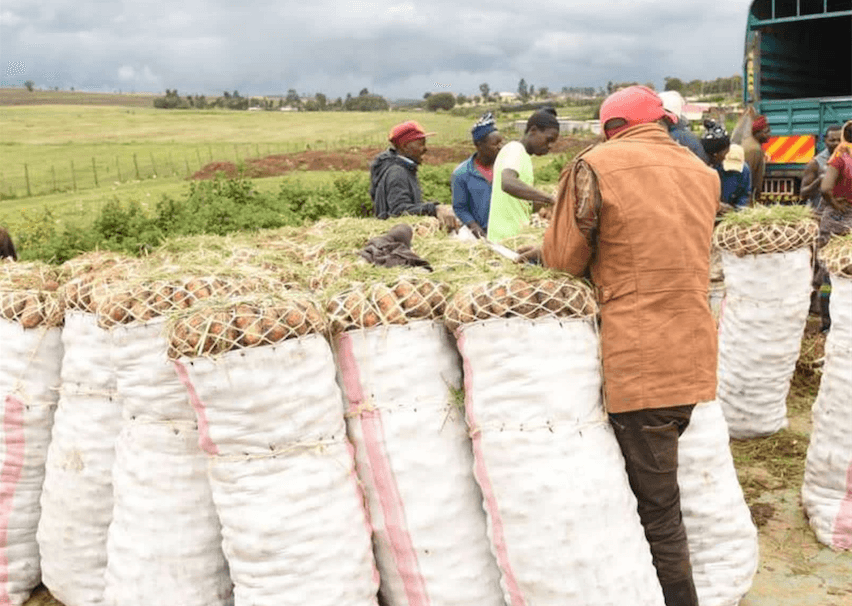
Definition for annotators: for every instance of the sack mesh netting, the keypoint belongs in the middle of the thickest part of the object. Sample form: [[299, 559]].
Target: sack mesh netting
[[748, 239], [515, 297], [28, 294], [217, 327], [365, 306], [837, 256]]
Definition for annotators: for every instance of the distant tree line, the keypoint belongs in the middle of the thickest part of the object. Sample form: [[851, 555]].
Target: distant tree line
[[364, 102]]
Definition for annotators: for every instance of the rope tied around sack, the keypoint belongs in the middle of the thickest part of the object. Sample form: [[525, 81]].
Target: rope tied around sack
[[316, 446]]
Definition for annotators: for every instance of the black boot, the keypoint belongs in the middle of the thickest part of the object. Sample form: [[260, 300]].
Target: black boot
[[680, 593]]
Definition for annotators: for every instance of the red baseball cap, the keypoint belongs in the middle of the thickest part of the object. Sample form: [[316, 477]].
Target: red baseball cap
[[407, 131], [636, 105]]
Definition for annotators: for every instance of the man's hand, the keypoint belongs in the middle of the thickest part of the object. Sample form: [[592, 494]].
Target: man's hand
[[529, 254], [724, 209], [447, 217], [476, 229], [546, 213]]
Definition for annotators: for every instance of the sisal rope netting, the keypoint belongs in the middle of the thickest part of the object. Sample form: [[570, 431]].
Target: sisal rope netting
[[29, 294], [144, 298], [837, 256], [378, 304], [511, 297], [214, 327], [766, 229]]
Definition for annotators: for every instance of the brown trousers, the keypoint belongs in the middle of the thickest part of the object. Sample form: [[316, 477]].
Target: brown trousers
[[648, 440]]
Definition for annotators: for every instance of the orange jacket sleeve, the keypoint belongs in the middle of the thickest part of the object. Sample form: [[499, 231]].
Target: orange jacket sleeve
[[565, 246]]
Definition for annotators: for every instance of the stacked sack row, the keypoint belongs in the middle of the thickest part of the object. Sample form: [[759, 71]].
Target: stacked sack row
[[251, 438]]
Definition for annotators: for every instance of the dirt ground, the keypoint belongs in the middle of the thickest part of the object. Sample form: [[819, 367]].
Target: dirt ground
[[794, 569], [355, 158]]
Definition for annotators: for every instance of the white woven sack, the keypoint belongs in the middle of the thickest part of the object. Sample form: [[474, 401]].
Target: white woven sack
[[29, 387], [562, 518], [723, 544], [77, 498], [164, 545], [414, 457], [827, 488], [282, 473], [760, 333]]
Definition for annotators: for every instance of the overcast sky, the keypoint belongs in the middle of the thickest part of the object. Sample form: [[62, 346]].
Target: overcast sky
[[397, 48]]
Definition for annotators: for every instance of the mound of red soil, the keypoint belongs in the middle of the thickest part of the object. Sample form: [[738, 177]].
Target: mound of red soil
[[356, 158]]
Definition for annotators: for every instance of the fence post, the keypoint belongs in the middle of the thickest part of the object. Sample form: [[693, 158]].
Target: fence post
[[153, 166], [118, 169], [236, 154], [136, 164], [73, 177], [210, 149], [188, 172], [257, 150], [95, 171], [171, 164], [53, 172], [27, 178]]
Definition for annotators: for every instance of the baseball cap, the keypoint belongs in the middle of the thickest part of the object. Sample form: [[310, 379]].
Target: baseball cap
[[634, 104], [673, 101], [407, 131], [734, 159]]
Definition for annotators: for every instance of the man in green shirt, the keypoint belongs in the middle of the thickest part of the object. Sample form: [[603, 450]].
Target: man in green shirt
[[513, 197]]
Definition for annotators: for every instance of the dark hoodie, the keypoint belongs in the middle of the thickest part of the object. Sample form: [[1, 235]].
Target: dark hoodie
[[394, 187], [7, 248]]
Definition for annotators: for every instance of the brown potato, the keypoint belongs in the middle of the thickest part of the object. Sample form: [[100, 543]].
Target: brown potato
[[387, 304], [500, 303], [32, 315], [524, 300]]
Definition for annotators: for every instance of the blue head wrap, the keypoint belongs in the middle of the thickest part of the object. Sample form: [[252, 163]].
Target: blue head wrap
[[484, 127]]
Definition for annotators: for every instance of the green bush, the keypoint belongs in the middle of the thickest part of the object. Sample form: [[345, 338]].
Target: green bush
[[220, 206]]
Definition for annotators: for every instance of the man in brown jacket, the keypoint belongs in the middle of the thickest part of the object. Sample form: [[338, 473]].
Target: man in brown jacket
[[637, 211]]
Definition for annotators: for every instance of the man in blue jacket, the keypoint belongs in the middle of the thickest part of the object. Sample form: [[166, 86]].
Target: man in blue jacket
[[471, 181]]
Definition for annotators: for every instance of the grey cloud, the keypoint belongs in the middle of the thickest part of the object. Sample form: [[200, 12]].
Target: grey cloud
[[400, 48]]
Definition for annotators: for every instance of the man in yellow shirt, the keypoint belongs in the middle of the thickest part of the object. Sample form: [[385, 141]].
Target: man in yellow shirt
[[513, 197]]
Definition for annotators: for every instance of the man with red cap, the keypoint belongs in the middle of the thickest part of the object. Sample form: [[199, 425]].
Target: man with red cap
[[636, 214], [755, 157], [394, 187]]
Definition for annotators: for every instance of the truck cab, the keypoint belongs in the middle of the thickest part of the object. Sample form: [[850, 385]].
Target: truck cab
[[797, 72]]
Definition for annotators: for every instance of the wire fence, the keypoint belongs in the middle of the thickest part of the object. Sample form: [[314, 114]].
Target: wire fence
[[25, 179]]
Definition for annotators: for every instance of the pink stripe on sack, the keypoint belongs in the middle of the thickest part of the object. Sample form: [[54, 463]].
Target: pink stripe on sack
[[359, 490], [393, 510], [204, 442], [10, 475], [498, 536], [842, 535]]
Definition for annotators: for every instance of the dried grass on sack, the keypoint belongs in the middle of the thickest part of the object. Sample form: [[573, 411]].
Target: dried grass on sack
[[766, 229], [837, 256], [89, 277], [29, 294]]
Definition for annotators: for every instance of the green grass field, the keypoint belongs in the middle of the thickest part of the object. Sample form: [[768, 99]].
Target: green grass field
[[62, 148]]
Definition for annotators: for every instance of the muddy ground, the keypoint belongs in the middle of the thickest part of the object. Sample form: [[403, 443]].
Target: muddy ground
[[355, 158], [795, 570]]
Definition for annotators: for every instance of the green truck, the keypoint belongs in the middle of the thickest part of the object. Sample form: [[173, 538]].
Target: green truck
[[798, 73]]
